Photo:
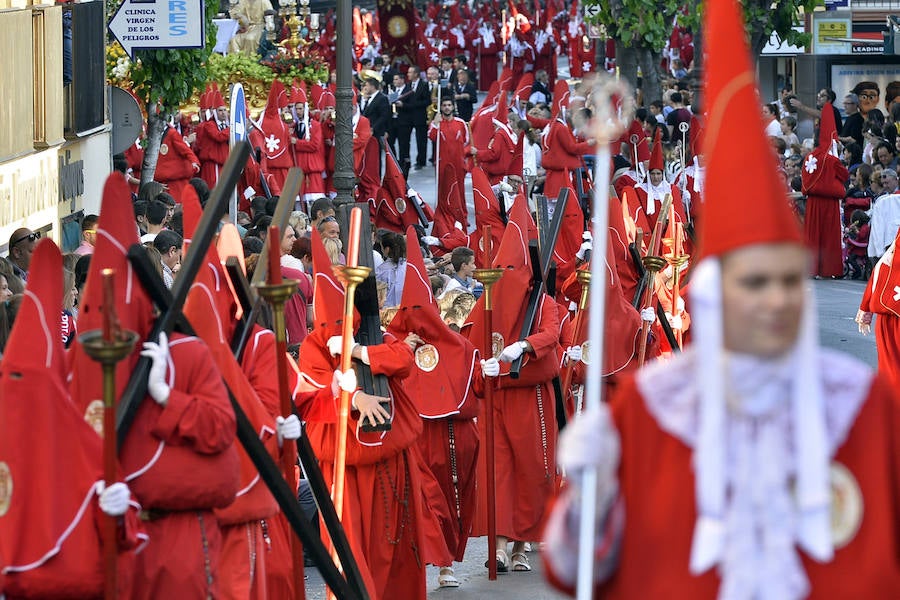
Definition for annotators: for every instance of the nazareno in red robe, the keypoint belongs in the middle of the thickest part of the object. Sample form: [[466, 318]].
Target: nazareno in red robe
[[382, 508], [656, 477]]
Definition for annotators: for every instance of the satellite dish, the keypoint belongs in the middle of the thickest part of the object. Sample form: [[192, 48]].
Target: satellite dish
[[126, 117]]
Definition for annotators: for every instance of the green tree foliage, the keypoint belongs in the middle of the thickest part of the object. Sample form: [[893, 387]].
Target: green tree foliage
[[641, 29]]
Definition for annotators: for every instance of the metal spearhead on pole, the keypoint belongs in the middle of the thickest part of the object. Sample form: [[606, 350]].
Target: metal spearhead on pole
[[612, 105]]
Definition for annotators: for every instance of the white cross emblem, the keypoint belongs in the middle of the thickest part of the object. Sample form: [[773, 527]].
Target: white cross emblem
[[272, 143], [812, 164], [897, 293]]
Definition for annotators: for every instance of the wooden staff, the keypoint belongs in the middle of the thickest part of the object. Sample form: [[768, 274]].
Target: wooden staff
[[351, 276], [489, 277], [108, 346], [677, 259], [276, 292]]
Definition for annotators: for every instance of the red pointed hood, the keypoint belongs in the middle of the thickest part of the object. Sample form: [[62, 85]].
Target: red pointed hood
[[273, 127], [487, 212], [504, 83], [637, 140], [740, 170], [656, 154], [560, 98], [298, 92], [451, 204], [524, 90], [501, 112], [45, 444], [116, 233], [827, 128], [518, 156], [328, 293], [511, 292], [823, 174]]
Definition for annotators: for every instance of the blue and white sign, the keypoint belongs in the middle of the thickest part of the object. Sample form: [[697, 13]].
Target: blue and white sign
[[157, 24], [238, 128]]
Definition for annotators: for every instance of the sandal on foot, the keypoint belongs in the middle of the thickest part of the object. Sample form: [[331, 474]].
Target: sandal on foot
[[520, 562], [502, 562], [446, 578]]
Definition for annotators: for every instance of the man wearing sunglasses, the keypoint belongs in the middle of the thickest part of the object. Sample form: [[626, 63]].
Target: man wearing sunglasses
[[21, 246]]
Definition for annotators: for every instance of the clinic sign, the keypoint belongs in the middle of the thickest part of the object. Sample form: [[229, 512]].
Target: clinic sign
[[158, 24]]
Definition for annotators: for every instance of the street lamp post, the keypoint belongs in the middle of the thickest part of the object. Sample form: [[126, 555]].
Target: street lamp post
[[344, 175]]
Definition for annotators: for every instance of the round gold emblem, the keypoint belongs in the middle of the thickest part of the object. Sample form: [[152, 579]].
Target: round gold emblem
[[6, 488], [497, 344], [400, 204], [846, 505], [481, 245], [398, 26], [163, 149], [586, 352], [427, 357], [93, 415]]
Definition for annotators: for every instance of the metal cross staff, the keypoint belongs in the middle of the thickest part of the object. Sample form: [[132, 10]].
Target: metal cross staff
[[612, 105]]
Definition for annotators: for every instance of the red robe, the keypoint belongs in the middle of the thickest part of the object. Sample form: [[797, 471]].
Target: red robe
[[497, 159], [657, 484], [823, 183], [453, 145], [212, 150], [488, 54], [310, 155], [175, 165], [524, 435], [382, 508], [182, 463], [878, 298]]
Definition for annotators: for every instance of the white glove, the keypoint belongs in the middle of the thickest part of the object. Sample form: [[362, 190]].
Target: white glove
[[343, 382], [506, 187], [864, 320], [587, 236], [430, 240], [156, 382], [675, 321], [585, 247], [648, 314], [574, 353], [411, 193], [490, 367], [336, 344], [114, 499], [288, 429], [592, 441], [512, 352], [459, 225]]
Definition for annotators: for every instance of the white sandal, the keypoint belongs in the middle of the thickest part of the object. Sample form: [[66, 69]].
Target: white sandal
[[446, 578], [520, 562]]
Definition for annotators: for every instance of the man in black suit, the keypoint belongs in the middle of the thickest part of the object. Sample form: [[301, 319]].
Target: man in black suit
[[465, 95], [414, 100], [375, 107]]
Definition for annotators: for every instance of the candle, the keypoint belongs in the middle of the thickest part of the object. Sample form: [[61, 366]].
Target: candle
[[274, 274], [353, 237], [679, 238], [108, 304]]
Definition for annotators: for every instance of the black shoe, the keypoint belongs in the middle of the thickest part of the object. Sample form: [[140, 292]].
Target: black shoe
[[419, 167]]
